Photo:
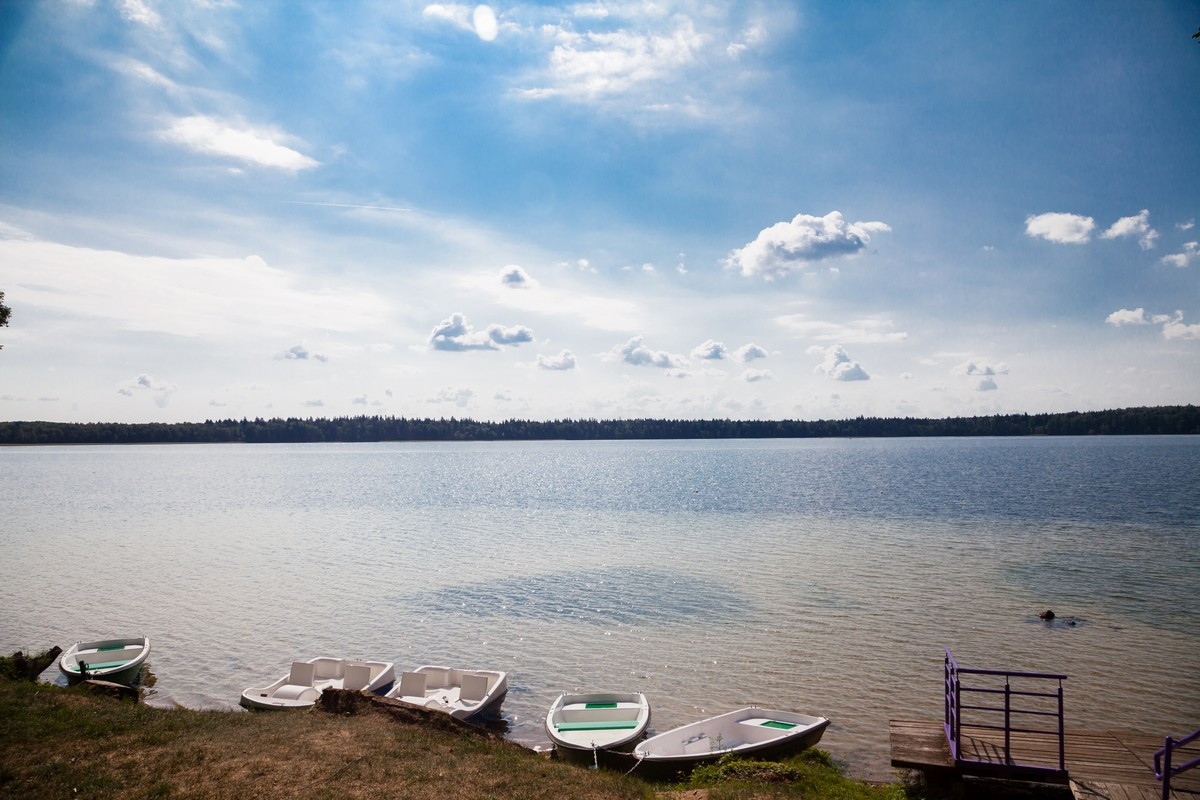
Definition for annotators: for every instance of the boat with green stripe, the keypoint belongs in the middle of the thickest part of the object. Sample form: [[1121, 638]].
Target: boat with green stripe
[[581, 725], [751, 731], [116, 660]]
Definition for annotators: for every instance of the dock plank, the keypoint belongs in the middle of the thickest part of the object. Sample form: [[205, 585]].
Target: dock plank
[[1101, 765]]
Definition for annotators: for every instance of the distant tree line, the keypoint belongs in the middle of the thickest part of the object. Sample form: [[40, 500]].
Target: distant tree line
[[1126, 421]]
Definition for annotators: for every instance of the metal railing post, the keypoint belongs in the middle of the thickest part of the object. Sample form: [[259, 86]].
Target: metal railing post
[[1007, 721], [1166, 769], [1062, 735]]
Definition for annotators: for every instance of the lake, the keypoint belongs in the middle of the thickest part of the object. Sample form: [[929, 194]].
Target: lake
[[823, 576]]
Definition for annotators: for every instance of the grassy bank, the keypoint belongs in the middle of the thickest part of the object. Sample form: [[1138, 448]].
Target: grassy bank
[[58, 742]]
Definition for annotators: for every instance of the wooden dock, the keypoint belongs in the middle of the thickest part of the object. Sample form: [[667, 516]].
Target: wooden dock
[[1110, 765]]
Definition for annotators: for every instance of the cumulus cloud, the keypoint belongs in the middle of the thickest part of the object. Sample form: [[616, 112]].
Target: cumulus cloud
[[635, 353], [837, 364], [788, 246], [515, 335], [981, 368], [1188, 256], [514, 277], [1128, 316], [1060, 228], [455, 334], [1138, 225], [710, 351], [256, 146], [300, 353], [1186, 226], [162, 390], [756, 375], [749, 352], [561, 362], [986, 385], [458, 396], [1173, 326]]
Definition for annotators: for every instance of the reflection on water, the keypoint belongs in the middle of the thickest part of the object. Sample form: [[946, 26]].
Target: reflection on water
[[822, 576], [628, 596]]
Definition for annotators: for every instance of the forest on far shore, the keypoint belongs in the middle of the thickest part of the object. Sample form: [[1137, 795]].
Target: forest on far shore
[[1118, 422]]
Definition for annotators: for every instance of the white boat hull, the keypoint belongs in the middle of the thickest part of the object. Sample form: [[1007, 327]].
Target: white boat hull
[[116, 660], [466, 694], [754, 732], [303, 685], [581, 724]]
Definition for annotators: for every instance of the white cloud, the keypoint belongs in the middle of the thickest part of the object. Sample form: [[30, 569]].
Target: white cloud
[[749, 352], [456, 14], [483, 20], [162, 390], [635, 353], [300, 353], [986, 385], [450, 394], [514, 277], [837, 364], [872, 330], [591, 65], [1060, 228], [981, 368], [1186, 226], [137, 11], [1138, 225], [232, 298], [788, 246], [1189, 255], [515, 335], [710, 351], [455, 334], [256, 146], [1128, 316], [561, 362], [756, 375], [1175, 328]]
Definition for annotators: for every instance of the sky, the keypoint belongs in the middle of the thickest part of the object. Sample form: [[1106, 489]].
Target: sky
[[216, 209]]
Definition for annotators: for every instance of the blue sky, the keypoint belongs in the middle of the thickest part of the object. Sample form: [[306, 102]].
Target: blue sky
[[216, 209]]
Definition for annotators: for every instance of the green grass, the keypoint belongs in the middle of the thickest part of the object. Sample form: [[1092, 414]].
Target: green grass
[[57, 742]]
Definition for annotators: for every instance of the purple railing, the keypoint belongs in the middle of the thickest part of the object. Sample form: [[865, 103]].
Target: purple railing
[[954, 712], [1162, 761]]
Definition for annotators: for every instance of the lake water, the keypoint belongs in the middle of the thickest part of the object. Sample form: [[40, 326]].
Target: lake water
[[822, 576]]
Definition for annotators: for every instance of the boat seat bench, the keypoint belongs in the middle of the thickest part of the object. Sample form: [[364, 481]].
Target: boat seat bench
[[598, 725], [105, 665]]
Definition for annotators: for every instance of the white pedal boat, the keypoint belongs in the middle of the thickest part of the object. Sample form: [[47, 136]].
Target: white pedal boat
[[116, 660], [462, 693], [302, 686], [758, 732], [579, 724]]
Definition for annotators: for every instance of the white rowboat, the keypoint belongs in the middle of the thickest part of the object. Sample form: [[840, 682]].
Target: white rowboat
[[462, 693], [116, 660], [583, 723], [761, 732], [306, 680]]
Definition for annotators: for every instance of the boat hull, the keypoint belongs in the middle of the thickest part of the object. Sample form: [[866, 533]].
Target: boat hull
[[303, 686], [751, 732], [591, 727], [470, 695], [115, 660]]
